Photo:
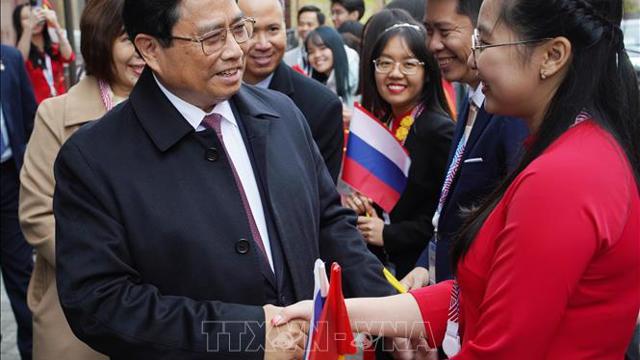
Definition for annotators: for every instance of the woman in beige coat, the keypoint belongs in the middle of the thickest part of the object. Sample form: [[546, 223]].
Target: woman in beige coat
[[112, 68]]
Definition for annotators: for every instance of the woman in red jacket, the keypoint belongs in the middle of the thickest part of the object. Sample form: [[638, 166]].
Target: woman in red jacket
[[549, 266], [44, 58]]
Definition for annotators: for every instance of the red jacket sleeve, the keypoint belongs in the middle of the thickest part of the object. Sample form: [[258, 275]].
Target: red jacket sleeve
[[433, 302]]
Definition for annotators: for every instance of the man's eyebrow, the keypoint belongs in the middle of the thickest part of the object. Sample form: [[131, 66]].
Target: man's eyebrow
[[218, 25]]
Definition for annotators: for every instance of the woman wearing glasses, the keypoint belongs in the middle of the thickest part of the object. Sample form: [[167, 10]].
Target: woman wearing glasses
[[113, 67], [410, 100], [549, 266]]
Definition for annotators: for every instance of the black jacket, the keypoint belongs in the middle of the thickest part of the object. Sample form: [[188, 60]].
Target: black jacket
[[322, 109], [428, 145], [151, 250]]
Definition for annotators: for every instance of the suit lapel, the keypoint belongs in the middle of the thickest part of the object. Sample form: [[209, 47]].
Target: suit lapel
[[255, 128], [160, 119], [7, 94]]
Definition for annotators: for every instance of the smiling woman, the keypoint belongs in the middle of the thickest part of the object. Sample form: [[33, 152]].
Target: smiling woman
[[409, 99]]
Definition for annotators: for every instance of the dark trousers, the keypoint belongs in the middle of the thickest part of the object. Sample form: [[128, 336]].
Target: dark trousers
[[16, 258]]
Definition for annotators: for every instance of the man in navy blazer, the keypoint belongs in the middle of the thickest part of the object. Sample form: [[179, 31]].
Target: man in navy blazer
[[265, 68], [492, 144], [17, 114], [187, 208]]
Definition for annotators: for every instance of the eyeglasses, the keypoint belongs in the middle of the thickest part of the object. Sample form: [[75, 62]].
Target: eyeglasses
[[216, 39], [476, 48], [407, 67]]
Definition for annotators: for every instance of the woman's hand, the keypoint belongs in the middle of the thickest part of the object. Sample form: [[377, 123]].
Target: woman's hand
[[299, 311], [371, 229], [347, 113], [359, 203], [416, 279], [51, 17]]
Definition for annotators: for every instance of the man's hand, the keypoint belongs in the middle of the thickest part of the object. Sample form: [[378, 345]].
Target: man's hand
[[416, 279], [284, 342], [402, 349]]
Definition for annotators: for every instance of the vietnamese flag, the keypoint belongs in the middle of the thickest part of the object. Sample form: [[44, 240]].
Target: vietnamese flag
[[333, 337]]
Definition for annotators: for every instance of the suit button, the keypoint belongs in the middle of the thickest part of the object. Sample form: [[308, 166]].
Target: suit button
[[211, 154], [242, 246]]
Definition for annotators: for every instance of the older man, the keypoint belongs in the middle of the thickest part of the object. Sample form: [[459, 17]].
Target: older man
[[190, 206], [265, 68]]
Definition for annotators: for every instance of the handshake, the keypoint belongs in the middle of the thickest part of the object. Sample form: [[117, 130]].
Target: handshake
[[287, 330]]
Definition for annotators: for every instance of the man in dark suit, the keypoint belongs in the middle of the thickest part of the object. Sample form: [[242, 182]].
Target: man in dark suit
[[485, 147], [265, 68], [16, 122], [190, 206]]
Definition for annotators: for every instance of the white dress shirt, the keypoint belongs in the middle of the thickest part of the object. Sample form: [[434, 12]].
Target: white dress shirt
[[235, 149], [265, 82]]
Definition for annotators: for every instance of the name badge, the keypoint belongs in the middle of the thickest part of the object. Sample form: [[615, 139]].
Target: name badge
[[432, 262]]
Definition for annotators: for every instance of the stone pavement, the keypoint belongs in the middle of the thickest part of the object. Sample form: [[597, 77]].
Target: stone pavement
[[8, 348]]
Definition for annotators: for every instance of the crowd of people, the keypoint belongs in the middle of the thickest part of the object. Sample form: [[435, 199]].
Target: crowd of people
[[177, 196]]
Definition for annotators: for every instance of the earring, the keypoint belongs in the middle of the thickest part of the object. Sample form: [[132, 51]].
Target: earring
[[543, 75]]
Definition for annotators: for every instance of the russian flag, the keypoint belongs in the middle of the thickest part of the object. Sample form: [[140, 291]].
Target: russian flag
[[375, 163], [320, 291]]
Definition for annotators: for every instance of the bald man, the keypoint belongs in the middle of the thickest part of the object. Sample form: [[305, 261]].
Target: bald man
[[265, 68]]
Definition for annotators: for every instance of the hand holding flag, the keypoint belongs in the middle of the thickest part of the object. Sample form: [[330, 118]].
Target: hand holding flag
[[375, 163]]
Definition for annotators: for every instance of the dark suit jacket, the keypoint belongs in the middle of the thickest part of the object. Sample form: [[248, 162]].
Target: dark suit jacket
[[18, 102], [152, 261], [428, 144], [497, 140], [322, 109]]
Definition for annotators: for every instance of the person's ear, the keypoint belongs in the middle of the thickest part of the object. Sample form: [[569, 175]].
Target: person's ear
[[149, 48], [555, 57], [354, 15]]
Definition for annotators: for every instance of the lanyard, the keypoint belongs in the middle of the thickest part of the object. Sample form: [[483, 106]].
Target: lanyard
[[105, 95], [453, 170], [451, 343], [48, 75]]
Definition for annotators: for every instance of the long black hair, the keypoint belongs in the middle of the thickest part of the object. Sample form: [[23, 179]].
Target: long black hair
[[600, 79], [432, 96], [35, 57], [372, 30], [326, 36]]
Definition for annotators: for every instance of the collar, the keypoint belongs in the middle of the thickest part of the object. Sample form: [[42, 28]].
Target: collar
[[165, 125], [476, 96], [194, 114], [88, 106], [266, 82], [282, 80]]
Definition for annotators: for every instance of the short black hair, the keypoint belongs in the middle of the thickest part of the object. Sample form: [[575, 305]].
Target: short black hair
[[152, 17], [413, 7], [351, 6], [312, 8], [470, 9]]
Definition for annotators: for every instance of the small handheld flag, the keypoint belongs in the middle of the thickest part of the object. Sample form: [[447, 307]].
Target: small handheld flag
[[330, 335], [375, 163]]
